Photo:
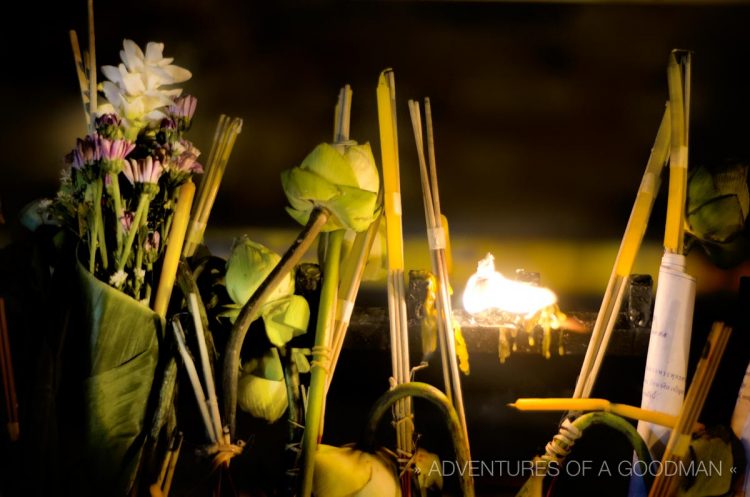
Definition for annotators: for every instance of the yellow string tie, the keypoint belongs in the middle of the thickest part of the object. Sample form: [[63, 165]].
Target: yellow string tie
[[321, 358]]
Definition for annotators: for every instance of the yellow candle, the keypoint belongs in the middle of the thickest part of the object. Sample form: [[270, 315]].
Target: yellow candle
[[569, 404]]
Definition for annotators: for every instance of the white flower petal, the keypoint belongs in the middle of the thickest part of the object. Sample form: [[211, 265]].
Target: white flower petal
[[132, 84], [112, 93], [112, 74], [178, 74], [132, 55], [154, 52]]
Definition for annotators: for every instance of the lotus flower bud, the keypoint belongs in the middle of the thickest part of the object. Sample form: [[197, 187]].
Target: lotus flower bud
[[345, 471], [262, 391], [342, 178], [250, 264]]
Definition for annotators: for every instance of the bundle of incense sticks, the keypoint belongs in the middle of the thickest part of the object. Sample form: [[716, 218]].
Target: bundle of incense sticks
[[629, 247], [437, 242], [386, 96], [671, 327], [679, 441], [224, 139]]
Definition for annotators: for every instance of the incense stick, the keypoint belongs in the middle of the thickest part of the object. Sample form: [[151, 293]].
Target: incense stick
[[436, 239], [629, 247], [224, 139], [679, 440], [9, 382]]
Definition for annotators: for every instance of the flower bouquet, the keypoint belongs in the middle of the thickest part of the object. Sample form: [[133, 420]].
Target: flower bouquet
[[125, 196]]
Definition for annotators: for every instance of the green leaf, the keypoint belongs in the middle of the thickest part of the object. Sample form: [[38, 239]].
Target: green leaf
[[120, 363], [709, 453]]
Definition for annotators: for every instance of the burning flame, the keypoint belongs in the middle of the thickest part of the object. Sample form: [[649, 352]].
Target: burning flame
[[488, 289]]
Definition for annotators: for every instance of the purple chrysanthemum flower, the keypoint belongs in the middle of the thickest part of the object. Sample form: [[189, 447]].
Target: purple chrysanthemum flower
[[145, 170], [186, 160], [152, 242], [126, 221], [86, 153], [108, 125]]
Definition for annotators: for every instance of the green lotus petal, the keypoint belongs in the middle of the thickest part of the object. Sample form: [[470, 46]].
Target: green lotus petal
[[701, 188], [299, 357], [306, 185], [269, 366], [285, 319], [717, 220], [340, 471], [328, 162], [362, 163], [706, 480], [355, 208], [262, 398], [249, 264]]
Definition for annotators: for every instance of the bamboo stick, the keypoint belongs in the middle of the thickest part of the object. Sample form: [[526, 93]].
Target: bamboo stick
[[386, 98], [174, 248], [679, 440], [172, 464], [9, 382], [629, 247]]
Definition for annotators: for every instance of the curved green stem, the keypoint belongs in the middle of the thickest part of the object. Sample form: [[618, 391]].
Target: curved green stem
[[251, 310], [383, 407], [102, 242], [321, 358], [143, 202]]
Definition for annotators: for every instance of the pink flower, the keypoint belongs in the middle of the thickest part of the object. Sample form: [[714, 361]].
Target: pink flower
[[113, 150], [184, 107], [152, 242], [185, 159], [126, 221], [145, 170]]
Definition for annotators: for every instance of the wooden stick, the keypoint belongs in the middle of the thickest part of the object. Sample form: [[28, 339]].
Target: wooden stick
[[679, 441], [81, 74], [92, 68], [174, 248], [626, 255], [9, 382], [194, 380]]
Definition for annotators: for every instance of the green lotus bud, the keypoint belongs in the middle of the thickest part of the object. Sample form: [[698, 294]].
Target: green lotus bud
[[250, 264], [342, 178], [261, 390], [376, 267], [344, 472]]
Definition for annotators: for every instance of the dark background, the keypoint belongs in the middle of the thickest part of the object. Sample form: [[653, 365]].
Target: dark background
[[544, 117]]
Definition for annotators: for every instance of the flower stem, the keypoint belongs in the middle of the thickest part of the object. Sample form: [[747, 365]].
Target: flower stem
[[137, 267], [140, 212], [415, 389], [321, 358], [117, 202], [102, 243], [251, 310]]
